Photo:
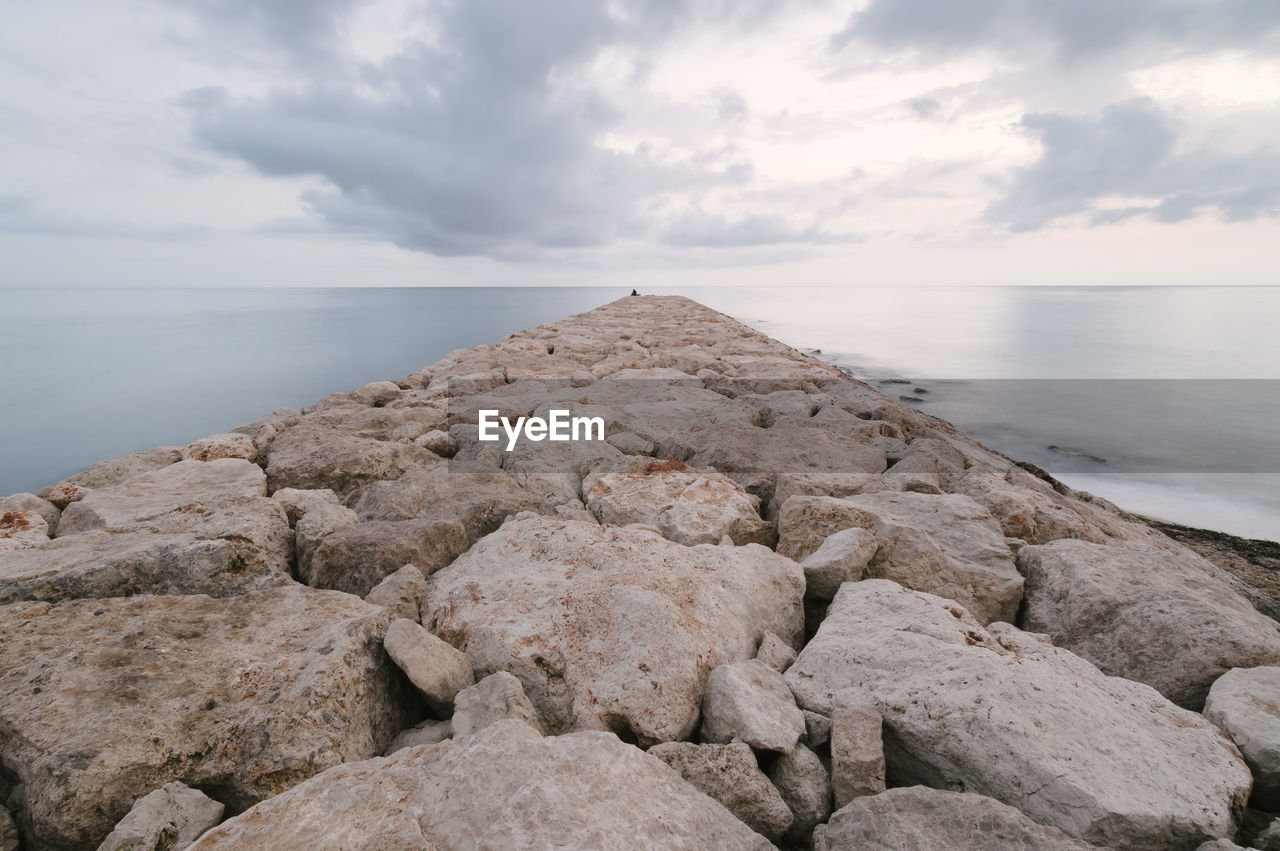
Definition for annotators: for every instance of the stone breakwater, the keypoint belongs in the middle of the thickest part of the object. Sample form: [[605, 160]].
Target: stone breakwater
[[772, 607]]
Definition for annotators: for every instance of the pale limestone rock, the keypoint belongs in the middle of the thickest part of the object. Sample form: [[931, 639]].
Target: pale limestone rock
[[377, 393], [429, 732], [313, 454], [750, 702], [497, 697], [149, 495], [439, 442], [842, 557], [1032, 515], [116, 470], [23, 502], [775, 652], [119, 564], [686, 506], [171, 817], [857, 752], [356, 557], [298, 501], [221, 446], [924, 818], [322, 519], [805, 785], [826, 484], [107, 700], [401, 592], [504, 787], [941, 544], [1245, 703], [611, 628], [1004, 713], [22, 529], [1157, 616], [63, 494], [730, 775], [437, 670], [817, 728]]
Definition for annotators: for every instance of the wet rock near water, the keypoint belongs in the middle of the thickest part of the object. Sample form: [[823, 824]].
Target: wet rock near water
[[831, 621]]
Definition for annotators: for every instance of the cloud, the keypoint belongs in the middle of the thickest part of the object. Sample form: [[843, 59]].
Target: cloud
[[698, 228], [484, 140], [1072, 29], [1132, 151]]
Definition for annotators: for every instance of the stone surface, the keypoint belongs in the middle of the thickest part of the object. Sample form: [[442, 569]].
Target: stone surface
[[686, 506], [377, 393], [297, 501], [171, 817], [63, 494], [857, 752], [104, 474], [497, 697], [611, 628], [428, 732], [920, 817], [1245, 702], [22, 529], [222, 446], [805, 785], [775, 652], [150, 495], [119, 564], [1004, 713], [750, 702], [107, 700], [401, 592], [946, 545], [9, 839], [24, 502], [313, 454], [730, 775], [358, 556], [437, 670], [842, 557], [1157, 616], [320, 520], [504, 787]]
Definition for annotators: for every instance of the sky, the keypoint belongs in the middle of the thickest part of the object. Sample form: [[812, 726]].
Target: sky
[[639, 142]]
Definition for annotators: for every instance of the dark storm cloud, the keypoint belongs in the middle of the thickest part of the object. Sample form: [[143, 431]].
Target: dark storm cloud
[[480, 143], [1071, 28], [1131, 150]]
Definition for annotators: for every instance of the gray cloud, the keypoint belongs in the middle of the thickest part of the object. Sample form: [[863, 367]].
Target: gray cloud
[[697, 227], [1132, 150], [480, 143], [1072, 29]]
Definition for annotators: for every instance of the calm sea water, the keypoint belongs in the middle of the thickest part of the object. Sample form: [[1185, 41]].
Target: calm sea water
[[1164, 399]]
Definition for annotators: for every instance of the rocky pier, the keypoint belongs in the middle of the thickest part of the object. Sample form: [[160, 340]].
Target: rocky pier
[[766, 607]]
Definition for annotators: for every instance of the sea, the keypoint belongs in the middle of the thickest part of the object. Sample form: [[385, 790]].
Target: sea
[[1165, 400]]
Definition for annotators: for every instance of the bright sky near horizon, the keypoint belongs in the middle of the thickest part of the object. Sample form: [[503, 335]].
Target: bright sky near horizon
[[639, 142]]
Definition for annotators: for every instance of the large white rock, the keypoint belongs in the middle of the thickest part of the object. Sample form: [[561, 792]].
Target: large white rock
[[437, 669], [1157, 616], [805, 785], [171, 817], [942, 544], [686, 506], [159, 492], [497, 697], [401, 592], [1005, 714], [924, 818], [611, 628], [107, 700], [217, 446], [22, 529], [750, 702], [842, 557], [504, 787], [729, 773], [1245, 702]]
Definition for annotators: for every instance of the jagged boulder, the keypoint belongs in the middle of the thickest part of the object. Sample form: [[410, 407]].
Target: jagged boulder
[[113, 471], [168, 819], [22, 529], [729, 774], [504, 787], [805, 785], [495, 698], [354, 557], [750, 702], [21, 503], [1158, 616], [611, 628], [401, 592], [686, 506], [107, 700], [1005, 714], [942, 544], [920, 817], [1245, 702], [222, 446], [437, 669]]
